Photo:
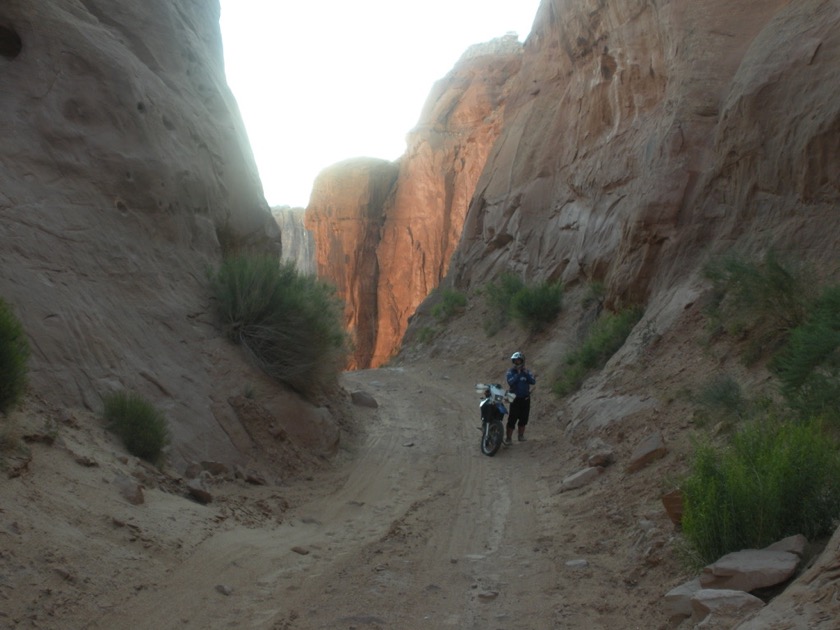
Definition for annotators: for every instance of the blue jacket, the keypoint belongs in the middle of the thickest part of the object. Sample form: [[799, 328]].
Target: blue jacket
[[520, 382]]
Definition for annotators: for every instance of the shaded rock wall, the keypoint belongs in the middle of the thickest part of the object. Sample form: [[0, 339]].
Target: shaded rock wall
[[410, 234], [123, 155]]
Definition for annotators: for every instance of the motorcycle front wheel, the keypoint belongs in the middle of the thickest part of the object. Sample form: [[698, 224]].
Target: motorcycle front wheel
[[492, 437]]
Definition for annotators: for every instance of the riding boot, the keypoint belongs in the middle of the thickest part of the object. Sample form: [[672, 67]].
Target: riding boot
[[509, 433], [521, 434]]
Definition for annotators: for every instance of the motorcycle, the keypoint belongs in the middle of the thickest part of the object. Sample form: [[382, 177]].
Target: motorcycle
[[493, 411]]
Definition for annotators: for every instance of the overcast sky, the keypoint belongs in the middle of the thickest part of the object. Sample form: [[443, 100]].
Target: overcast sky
[[320, 82]]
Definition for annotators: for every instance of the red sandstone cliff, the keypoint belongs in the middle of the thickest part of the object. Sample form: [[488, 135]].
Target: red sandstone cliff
[[345, 215], [386, 246]]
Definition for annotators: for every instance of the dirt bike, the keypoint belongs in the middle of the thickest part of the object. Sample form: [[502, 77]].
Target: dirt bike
[[493, 411]]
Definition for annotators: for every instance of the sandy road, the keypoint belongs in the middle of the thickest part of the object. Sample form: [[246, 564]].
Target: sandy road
[[414, 528]]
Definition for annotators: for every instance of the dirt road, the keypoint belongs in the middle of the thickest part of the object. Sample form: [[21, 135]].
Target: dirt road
[[410, 527], [415, 528]]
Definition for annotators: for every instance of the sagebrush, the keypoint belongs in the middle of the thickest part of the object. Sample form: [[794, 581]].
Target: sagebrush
[[289, 323], [14, 353], [142, 428]]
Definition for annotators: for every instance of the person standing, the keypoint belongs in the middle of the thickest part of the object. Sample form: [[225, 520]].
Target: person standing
[[519, 379]]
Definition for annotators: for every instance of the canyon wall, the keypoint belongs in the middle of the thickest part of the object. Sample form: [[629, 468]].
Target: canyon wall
[[124, 161], [345, 215], [641, 137], [627, 143], [387, 246], [297, 244]]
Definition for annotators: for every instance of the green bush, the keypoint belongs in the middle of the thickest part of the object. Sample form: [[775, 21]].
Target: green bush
[[426, 334], [499, 295], [761, 301], [607, 335], [722, 395], [452, 303], [14, 352], [532, 307], [142, 428], [291, 324], [776, 479], [809, 364], [536, 307]]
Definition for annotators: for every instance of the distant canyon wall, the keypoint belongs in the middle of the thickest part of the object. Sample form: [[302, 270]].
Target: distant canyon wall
[[297, 244], [385, 232], [123, 161]]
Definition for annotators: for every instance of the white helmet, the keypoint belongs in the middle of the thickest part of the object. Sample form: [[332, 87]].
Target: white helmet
[[517, 356]]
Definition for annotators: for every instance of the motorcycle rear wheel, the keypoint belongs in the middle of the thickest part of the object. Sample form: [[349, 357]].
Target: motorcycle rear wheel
[[491, 438]]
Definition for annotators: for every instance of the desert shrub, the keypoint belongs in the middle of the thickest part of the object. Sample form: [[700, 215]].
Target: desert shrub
[[290, 324], [809, 364], [536, 307], [426, 334], [532, 307], [722, 395], [452, 303], [595, 293], [605, 337], [776, 479], [499, 296], [761, 301], [14, 352], [141, 427]]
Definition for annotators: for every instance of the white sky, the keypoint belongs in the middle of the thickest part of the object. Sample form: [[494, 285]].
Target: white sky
[[320, 82]]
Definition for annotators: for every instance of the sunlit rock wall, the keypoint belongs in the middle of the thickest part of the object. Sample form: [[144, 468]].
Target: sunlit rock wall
[[386, 252]]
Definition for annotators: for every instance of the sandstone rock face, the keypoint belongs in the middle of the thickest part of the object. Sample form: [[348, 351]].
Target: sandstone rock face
[[808, 602], [123, 158], [640, 136], [345, 214], [410, 233], [297, 244]]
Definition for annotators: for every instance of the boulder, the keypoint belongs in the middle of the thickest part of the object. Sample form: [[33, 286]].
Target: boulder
[[581, 478], [649, 450], [197, 490], [363, 399], [129, 489], [749, 570], [792, 544], [677, 602], [723, 602]]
